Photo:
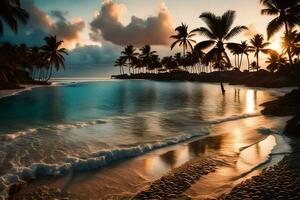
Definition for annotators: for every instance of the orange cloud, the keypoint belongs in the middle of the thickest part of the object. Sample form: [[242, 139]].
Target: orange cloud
[[154, 30], [41, 22]]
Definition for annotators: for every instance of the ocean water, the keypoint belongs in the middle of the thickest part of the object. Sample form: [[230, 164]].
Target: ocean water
[[82, 126]]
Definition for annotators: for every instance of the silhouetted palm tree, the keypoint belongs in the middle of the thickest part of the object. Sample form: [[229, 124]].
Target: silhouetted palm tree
[[275, 61], [183, 38], [218, 31], [155, 63], [120, 62], [236, 50], [169, 63], [146, 55], [11, 12], [179, 59], [7, 62], [258, 45], [129, 54], [291, 42], [254, 65], [287, 15], [36, 61], [53, 55], [240, 49]]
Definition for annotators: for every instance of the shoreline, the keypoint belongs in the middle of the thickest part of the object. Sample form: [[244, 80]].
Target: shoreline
[[23, 88], [261, 78], [185, 173], [281, 181]]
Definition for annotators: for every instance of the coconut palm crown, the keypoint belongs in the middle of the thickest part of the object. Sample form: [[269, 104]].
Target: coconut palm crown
[[183, 38]]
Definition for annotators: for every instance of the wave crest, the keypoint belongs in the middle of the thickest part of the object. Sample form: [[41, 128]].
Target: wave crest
[[95, 161]]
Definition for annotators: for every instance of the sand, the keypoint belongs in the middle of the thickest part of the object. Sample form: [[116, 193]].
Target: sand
[[7, 93], [179, 180], [281, 182]]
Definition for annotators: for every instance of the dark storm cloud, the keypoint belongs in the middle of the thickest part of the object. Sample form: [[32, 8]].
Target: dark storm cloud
[[153, 30]]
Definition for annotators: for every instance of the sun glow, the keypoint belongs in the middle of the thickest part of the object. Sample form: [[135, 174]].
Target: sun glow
[[250, 101], [276, 45]]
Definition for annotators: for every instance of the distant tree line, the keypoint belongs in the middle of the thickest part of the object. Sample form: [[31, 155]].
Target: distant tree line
[[219, 32]]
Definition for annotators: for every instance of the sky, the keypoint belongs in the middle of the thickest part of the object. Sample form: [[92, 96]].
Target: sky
[[95, 31]]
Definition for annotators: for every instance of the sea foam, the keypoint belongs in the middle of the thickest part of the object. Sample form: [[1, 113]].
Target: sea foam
[[96, 160], [232, 118]]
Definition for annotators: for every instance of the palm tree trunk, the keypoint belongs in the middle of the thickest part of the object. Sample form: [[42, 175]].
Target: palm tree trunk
[[248, 62], [257, 61], [235, 61], [50, 74], [241, 61], [288, 49]]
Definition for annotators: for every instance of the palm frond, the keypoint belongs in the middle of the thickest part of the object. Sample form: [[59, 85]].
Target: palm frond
[[227, 20], [274, 26], [204, 44], [235, 31], [206, 32]]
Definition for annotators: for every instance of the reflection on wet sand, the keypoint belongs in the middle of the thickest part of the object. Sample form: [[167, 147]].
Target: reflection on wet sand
[[124, 179], [159, 165], [137, 114], [220, 182]]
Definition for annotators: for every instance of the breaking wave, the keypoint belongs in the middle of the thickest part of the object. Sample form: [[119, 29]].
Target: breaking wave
[[18, 134], [96, 160]]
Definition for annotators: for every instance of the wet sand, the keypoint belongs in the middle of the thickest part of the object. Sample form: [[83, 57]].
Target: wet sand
[[7, 93], [281, 181], [180, 179], [172, 171]]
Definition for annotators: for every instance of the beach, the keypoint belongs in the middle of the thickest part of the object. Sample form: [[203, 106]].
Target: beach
[[147, 164], [23, 88]]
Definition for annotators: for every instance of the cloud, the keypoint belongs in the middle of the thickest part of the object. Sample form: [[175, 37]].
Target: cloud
[[40, 24], [66, 30], [92, 54], [154, 30], [91, 61]]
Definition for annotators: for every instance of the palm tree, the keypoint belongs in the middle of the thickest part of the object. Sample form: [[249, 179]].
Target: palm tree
[[155, 63], [169, 63], [8, 63], [120, 62], [275, 61], [179, 59], [254, 65], [236, 50], [10, 12], [287, 15], [183, 38], [36, 61], [53, 55], [146, 55], [218, 31], [291, 42], [240, 49], [129, 55], [258, 45]]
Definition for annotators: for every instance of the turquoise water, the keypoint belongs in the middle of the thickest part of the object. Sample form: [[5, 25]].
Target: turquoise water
[[100, 100], [85, 125]]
